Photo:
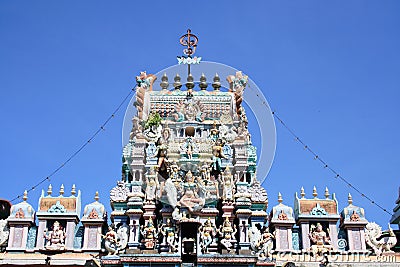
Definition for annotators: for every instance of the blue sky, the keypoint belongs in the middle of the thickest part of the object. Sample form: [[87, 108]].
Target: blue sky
[[330, 69]]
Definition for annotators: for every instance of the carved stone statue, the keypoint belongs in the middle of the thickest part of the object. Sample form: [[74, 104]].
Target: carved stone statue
[[149, 233], [144, 84], [228, 185], [227, 232], [321, 241], [116, 241], [217, 155], [266, 245], [151, 185], [373, 237], [207, 234], [190, 198], [237, 84], [261, 243], [55, 238], [170, 236]]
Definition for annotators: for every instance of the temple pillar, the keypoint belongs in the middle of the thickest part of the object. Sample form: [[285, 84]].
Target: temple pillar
[[40, 234]]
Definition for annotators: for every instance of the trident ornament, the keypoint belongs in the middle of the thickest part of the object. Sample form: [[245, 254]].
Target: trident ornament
[[191, 44]]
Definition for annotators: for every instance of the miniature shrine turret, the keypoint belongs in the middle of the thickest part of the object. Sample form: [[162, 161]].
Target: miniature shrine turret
[[22, 218], [317, 218], [281, 222], [353, 222], [58, 217], [94, 221]]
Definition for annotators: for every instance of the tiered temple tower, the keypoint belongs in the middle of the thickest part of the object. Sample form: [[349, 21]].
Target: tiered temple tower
[[189, 195]]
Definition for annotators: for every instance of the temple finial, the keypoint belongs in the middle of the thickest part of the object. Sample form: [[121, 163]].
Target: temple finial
[[280, 198], [49, 190], [164, 82], [217, 82], [73, 190], [25, 197], [302, 193], [327, 193], [190, 82], [96, 196], [203, 82], [314, 193], [62, 190], [177, 82], [350, 199]]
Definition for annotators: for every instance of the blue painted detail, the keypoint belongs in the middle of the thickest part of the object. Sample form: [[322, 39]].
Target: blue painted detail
[[295, 239], [318, 211], [78, 238], [31, 242], [57, 208]]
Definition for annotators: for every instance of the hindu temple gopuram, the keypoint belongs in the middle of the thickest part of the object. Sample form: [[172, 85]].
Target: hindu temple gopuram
[[189, 195]]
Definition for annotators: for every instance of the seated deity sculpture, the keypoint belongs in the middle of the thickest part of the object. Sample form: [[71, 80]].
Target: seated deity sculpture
[[207, 235], [149, 233], [321, 241], [227, 232], [170, 236], [190, 198], [56, 237]]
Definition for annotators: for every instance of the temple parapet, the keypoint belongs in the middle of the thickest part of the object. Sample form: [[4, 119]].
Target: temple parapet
[[317, 220]]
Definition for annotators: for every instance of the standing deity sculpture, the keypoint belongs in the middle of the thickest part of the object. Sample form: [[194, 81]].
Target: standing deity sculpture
[[218, 155], [149, 234], [207, 234], [170, 235], [55, 238], [237, 84], [228, 185], [151, 185], [227, 233]]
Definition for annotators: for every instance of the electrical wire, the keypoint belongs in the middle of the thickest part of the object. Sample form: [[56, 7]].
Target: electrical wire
[[318, 158], [73, 155]]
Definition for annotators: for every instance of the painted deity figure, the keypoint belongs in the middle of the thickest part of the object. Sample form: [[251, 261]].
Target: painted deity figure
[[218, 155], [228, 185], [321, 241], [214, 133], [207, 235], [151, 185], [266, 245], [190, 198], [179, 111], [149, 233], [168, 231], [111, 241], [162, 162], [174, 173], [56, 237], [227, 232]]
